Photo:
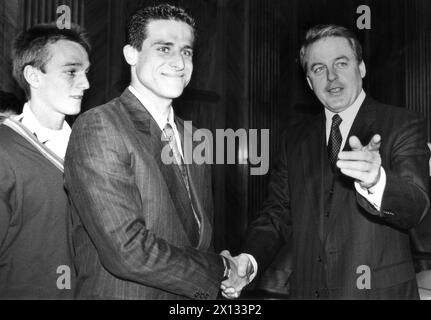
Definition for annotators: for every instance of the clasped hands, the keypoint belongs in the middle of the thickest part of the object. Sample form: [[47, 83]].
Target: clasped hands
[[362, 163], [241, 271]]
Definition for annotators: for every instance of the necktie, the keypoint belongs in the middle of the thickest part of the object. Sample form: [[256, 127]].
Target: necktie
[[170, 135], [335, 140]]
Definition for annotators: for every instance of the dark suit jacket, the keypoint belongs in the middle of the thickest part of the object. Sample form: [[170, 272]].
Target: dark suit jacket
[[325, 264], [135, 234]]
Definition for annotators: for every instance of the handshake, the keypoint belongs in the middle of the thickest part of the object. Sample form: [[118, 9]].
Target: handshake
[[241, 274]]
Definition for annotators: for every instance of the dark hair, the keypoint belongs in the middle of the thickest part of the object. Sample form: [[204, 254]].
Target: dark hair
[[9, 103], [138, 23], [30, 48], [330, 30]]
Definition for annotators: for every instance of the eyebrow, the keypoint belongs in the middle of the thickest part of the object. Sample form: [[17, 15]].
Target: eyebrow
[[336, 59], [170, 44], [74, 64], [342, 57], [316, 64]]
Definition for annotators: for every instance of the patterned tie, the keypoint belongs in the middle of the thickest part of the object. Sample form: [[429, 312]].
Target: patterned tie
[[335, 140], [170, 135]]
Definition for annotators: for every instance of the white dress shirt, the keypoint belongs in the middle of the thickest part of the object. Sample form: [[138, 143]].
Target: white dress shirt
[[54, 140]]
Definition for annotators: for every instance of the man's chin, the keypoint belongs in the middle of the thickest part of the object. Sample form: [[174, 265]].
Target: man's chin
[[73, 110], [336, 105], [174, 93]]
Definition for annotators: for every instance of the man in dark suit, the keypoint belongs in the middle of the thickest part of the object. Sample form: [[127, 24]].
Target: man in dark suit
[[347, 213], [142, 226]]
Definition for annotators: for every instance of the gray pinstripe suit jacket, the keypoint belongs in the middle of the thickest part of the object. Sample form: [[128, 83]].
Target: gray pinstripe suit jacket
[[134, 231]]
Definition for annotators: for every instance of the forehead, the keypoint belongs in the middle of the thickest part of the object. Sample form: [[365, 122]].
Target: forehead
[[174, 31], [65, 52], [327, 49]]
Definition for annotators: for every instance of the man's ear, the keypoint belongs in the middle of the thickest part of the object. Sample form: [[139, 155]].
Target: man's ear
[[362, 69], [130, 54], [32, 76], [309, 83]]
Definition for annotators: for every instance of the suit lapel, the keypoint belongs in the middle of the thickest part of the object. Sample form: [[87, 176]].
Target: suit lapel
[[363, 127], [150, 136], [312, 152]]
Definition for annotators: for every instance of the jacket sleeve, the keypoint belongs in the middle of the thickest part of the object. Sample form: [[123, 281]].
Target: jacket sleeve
[[6, 189], [102, 189], [405, 198]]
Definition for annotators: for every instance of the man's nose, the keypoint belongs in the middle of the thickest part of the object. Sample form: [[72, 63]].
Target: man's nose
[[331, 74], [177, 61], [83, 82]]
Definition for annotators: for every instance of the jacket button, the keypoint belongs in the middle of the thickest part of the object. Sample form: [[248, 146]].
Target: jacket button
[[316, 294]]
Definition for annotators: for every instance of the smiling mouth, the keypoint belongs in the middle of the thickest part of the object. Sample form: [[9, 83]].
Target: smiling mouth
[[181, 75], [335, 90], [77, 97]]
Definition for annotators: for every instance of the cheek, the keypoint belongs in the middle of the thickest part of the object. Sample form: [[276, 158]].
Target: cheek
[[189, 65], [318, 84]]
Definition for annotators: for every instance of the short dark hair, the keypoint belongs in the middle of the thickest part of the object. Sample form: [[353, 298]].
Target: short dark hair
[[138, 23], [30, 48], [329, 30]]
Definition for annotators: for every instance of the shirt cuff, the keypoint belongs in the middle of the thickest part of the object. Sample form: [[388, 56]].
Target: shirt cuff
[[254, 264], [374, 195]]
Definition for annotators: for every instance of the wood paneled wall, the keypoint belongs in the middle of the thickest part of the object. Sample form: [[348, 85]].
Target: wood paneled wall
[[418, 58], [264, 84], [45, 11], [11, 14]]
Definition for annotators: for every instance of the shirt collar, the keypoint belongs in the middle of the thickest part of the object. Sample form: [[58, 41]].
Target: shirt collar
[[160, 119], [349, 114], [43, 134]]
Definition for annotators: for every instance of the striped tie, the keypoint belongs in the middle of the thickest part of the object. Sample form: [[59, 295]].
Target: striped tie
[[335, 139], [170, 135]]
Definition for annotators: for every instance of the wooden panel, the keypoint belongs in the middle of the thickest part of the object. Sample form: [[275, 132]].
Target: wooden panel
[[45, 11], [264, 86], [10, 26], [418, 59]]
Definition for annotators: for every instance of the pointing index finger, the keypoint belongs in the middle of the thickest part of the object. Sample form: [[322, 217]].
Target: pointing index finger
[[375, 143]]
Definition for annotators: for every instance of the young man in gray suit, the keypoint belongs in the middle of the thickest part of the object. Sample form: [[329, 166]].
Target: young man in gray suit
[[143, 227]]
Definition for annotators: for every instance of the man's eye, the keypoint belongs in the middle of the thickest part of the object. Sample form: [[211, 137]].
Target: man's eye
[[163, 49], [188, 53], [71, 72], [318, 69], [342, 64]]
